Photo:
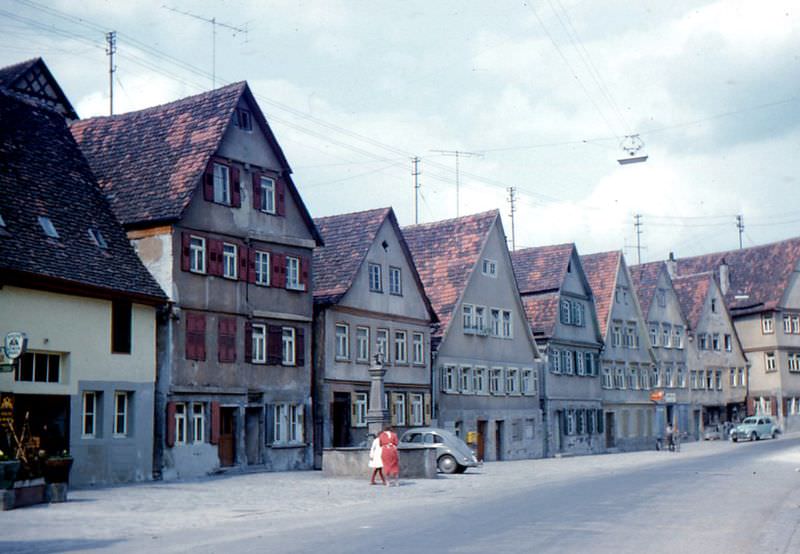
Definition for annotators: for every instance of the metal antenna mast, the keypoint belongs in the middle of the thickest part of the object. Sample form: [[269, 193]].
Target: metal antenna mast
[[111, 49], [740, 226], [416, 173], [638, 226], [214, 25], [458, 155], [512, 202]]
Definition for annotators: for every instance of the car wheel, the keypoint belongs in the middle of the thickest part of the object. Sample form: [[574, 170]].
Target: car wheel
[[461, 469], [753, 436], [447, 464], [734, 438], [774, 434]]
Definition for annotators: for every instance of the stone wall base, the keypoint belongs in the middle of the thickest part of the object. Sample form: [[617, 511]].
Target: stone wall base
[[415, 463]]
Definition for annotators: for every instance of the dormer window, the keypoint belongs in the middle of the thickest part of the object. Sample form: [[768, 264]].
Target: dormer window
[[98, 238], [2, 222], [47, 227], [244, 120]]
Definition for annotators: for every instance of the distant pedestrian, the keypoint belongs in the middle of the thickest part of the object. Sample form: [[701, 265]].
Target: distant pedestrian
[[389, 456], [376, 461], [670, 436]]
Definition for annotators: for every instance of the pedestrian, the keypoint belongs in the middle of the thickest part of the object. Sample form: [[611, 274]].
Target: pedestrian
[[670, 437], [376, 461], [389, 456]]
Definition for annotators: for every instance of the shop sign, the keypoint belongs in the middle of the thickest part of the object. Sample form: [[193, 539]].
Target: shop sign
[[670, 397], [6, 363], [15, 344], [657, 395], [6, 410]]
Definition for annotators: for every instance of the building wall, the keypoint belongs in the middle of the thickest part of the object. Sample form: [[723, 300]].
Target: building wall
[[79, 329]]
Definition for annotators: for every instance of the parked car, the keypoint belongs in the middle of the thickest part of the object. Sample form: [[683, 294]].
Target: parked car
[[755, 428], [452, 454]]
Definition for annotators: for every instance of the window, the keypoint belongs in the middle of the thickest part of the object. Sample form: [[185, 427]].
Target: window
[[644, 379], [512, 381], [766, 324], [570, 422], [591, 368], [732, 377], [619, 378], [180, 423], [681, 377], [577, 314], [222, 186], [395, 281], [229, 260], [580, 421], [293, 274], [197, 254], [713, 305], [37, 367], [568, 362], [288, 424], [494, 322], [243, 120], [359, 409], [693, 379], [653, 328], [418, 348], [89, 414], [566, 312], [259, 339], [467, 316], [489, 267], [399, 409], [796, 324], [48, 227], [659, 378], [362, 344], [120, 414], [449, 378], [607, 379], [262, 268], [633, 378], [742, 377], [465, 379], [495, 380], [342, 341], [198, 423], [530, 381], [480, 319], [787, 324], [677, 336], [375, 279], [616, 335], [709, 379], [580, 363], [666, 335], [668, 376], [655, 378], [288, 343], [508, 331], [400, 347], [195, 336], [702, 341], [416, 402], [728, 343], [479, 380], [631, 338], [267, 194], [98, 238], [793, 359], [661, 296], [555, 361], [715, 341], [718, 378], [382, 344]]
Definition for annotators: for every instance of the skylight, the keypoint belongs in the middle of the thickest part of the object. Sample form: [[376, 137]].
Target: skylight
[[97, 237], [2, 222], [47, 227]]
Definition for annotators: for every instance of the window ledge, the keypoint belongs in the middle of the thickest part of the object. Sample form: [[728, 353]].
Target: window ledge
[[298, 288], [281, 446]]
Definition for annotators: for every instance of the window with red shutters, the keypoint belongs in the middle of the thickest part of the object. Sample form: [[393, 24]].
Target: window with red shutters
[[274, 345], [208, 182], [280, 197], [256, 190], [186, 239], [170, 439], [278, 270], [215, 263], [305, 267], [299, 347], [248, 342], [195, 337], [250, 275], [226, 339], [244, 255], [236, 194]]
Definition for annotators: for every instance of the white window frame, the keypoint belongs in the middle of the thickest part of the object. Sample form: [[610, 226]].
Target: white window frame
[[375, 277], [666, 335], [198, 427], [399, 400], [222, 184], [489, 268], [395, 281], [293, 274], [608, 378], [677, 336], [382, 345], [418, 348], [89, 415], [262, 263], [468, 318], [480, 319], [288, 345], [449, 378], [512, 380], [566, 312], [530, 381], [342, 333], [401, 347], [416, 402], [197, 254], [288, 423], [180, 423], [767, 326], [494, 322], [361, 405], [555, 361], [507, 324], [479, 380], [787, 324], [267, 185], [715, 342], [496, 381], [616, 334], [653, 330], [362, 344], [121, 401], [259, 343], [796, 324], [728, 342], [230, 261], [580, 363]]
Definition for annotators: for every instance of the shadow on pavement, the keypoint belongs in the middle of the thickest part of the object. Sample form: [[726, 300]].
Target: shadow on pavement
[[55, 545]]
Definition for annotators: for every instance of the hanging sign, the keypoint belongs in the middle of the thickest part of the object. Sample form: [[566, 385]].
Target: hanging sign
[[15, 344], [6, 410]]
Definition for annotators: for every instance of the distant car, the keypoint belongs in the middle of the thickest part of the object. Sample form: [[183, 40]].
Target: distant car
[[452, 454], [755, 428], [712, 433]]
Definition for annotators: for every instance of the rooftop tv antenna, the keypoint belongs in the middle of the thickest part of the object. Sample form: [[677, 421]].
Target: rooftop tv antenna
[[214, 24], [458, 154], [633, 146]]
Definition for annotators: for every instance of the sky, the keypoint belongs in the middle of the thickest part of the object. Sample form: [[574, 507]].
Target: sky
[[537, 95]]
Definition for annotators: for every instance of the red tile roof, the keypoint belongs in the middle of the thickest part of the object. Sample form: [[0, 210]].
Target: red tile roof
[[541, 268], [601, 270], [759, 275], [542, 312], [446, 253], [348, 238], [692, 291], [645, 281]]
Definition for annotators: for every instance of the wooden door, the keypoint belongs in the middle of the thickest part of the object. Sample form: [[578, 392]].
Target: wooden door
[[481, 446], [340, 419], [227, 436], [498, 440], [610, 431]]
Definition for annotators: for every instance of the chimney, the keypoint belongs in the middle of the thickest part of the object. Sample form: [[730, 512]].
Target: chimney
[[672, 266], [724, 277]]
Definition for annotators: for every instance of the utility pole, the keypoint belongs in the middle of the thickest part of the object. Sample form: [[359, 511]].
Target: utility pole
[[512, 204], [111, 49], [638, 226], [458, 154], [416, 173], [214, 25], [740, 226]]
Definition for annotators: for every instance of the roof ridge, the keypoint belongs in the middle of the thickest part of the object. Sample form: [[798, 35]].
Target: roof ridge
[[477, 215], [359, 212]]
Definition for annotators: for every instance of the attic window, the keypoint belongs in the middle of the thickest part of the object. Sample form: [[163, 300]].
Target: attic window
[[97, 238], [569, 267], [47, 227], [2, 222], [243, 120]]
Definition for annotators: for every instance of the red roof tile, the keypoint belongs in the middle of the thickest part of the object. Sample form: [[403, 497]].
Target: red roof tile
[[542, 311], [645, 281], [446, 253], [601, 270], [541, 268], [692, 291]]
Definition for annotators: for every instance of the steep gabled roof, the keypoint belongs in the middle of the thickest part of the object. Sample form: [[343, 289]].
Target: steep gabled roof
[[601, 271], [446, 253], [541, 268], [542, 312], [692, 291], [759, 275], [645, 281], [44, 174], [33, 79], [149, 163]]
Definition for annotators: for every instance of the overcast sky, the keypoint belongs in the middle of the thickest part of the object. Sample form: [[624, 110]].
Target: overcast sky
[[539, 95]]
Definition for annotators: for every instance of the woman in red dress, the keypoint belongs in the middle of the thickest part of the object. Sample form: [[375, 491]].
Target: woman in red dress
[[391, 466]]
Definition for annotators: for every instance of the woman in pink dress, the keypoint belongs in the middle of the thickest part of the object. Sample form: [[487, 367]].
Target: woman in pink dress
[[391, 466]]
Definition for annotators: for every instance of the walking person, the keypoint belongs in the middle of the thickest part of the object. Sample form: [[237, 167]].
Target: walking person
[[670, 436], [376, 461], [389, 456]]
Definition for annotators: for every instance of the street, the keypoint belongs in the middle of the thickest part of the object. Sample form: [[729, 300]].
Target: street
[[710, 497]]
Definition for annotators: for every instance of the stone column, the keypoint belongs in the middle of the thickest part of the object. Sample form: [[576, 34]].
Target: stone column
[[377, 413]]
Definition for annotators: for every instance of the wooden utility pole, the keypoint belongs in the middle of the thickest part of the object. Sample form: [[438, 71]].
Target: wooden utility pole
[[111, 49], [458, 154]]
